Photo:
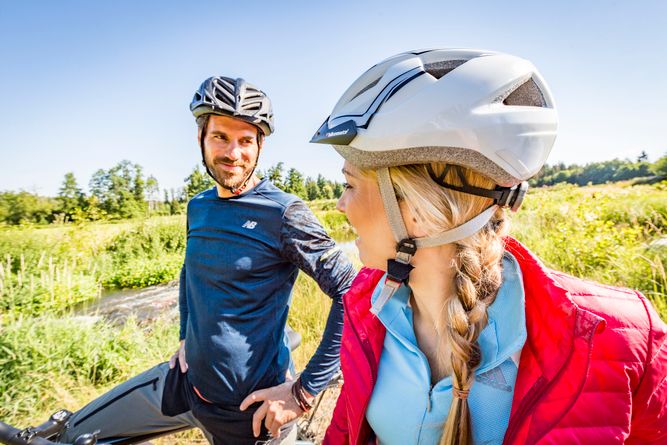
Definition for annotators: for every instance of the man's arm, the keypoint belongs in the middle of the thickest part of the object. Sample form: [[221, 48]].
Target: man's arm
[[307, 245]]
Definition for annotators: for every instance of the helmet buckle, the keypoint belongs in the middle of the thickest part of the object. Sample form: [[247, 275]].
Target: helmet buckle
[[405, 249], [512, 197]]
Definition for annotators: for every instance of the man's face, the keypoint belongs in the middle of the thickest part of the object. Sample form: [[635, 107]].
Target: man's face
[[230, 150]]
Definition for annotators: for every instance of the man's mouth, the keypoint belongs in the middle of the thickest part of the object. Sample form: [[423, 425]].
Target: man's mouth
[[229, 167]]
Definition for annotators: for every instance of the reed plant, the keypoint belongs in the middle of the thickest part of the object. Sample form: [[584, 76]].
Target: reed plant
[[48, 285]]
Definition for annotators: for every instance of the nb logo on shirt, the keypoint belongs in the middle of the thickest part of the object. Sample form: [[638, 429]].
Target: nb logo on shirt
[[249, 224]]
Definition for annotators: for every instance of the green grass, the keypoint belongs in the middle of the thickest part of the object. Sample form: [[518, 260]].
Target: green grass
[[603, 233], [45, 285], [51, 362], [53, 269]]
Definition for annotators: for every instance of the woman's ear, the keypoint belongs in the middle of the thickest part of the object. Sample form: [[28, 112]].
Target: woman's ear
[[412, 221]]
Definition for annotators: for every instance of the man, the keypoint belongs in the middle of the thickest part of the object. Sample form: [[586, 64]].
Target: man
[[246, 241]]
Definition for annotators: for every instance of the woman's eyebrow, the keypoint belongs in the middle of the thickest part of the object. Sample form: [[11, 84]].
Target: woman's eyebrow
[[347, 172]]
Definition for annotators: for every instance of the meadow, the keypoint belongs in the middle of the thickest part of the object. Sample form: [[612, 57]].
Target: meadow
[[51, 358]]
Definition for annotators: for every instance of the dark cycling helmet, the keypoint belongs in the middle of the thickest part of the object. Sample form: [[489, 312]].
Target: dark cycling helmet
[[236, 98]]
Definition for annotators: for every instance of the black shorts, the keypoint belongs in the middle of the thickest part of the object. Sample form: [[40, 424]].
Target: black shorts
[[227, 424]]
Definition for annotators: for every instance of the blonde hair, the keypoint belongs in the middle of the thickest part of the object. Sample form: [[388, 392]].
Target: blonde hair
[[478, 268]]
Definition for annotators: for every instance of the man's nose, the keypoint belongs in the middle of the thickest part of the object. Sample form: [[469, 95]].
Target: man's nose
[[233, 150]]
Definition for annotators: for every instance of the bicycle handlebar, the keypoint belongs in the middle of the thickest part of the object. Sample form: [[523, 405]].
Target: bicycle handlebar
[[33, 435], [14, 436]]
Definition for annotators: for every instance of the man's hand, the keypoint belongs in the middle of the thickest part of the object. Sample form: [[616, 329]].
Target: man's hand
[[279, 408], [180, 355]]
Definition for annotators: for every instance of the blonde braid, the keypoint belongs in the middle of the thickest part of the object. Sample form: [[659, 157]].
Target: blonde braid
[[478, 277]]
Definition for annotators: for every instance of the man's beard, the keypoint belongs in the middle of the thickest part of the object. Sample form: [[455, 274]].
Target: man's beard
[[229, 180]]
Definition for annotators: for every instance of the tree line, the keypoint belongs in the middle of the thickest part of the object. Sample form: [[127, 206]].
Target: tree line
[[124, 191], [601, 172]]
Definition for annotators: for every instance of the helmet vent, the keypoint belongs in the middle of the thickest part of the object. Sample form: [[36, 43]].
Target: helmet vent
[[225, 86], [253, 95], [527, 94], [439, 69], [366, 88], [224, 96]]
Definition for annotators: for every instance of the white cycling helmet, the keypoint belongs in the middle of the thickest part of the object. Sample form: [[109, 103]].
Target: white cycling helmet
[[488, 111]]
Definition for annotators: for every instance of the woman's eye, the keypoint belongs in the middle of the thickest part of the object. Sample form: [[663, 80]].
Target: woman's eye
[[346, 186]]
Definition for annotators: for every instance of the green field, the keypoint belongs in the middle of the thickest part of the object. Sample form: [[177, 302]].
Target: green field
[[50, 359]]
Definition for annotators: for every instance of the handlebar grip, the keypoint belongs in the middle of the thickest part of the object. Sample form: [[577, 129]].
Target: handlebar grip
[[12, 436]]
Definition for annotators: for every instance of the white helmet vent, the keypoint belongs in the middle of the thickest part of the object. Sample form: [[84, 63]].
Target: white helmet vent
[[439, 69], [366, 88], [527, 94]]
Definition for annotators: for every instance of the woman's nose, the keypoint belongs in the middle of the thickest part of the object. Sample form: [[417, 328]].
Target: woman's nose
[[340, 205]]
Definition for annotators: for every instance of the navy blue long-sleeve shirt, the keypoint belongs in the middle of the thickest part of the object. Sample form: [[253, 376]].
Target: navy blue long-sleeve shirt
[[243, 255]]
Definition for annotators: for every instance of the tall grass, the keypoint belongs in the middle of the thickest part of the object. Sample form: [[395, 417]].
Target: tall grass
[[48, 285], [55, 269], [51, 362], [603, 233], [150, 252]]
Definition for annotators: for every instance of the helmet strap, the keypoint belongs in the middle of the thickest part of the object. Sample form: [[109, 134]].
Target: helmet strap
[[510, 197], [399, 268]]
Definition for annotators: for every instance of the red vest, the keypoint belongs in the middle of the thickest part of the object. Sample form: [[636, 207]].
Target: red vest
[[593, 369]]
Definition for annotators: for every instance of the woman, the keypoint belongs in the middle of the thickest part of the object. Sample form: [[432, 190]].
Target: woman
[[454, 332]]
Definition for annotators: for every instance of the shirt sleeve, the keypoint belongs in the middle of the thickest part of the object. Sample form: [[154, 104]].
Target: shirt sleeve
[[182, 304], [306, 244]]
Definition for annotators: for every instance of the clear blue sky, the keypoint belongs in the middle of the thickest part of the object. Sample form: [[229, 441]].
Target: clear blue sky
[[86, 84]]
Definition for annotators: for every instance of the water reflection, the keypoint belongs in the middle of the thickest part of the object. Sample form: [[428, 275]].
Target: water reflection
[[146, 304]]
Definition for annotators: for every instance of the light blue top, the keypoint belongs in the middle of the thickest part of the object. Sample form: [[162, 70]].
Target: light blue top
[[405, 410]]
